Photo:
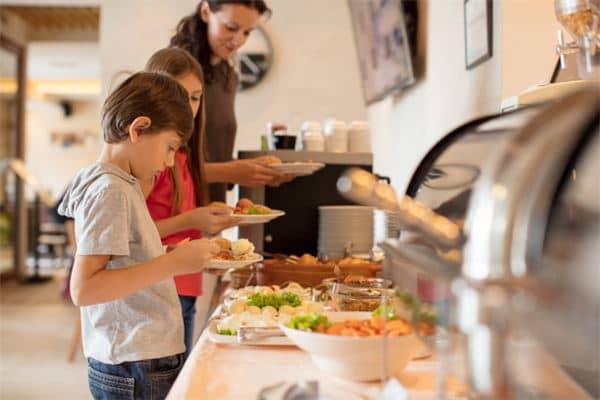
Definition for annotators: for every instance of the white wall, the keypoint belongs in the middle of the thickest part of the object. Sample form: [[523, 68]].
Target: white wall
[[52, 164], [405, 127], [528, 44], [315, 71]]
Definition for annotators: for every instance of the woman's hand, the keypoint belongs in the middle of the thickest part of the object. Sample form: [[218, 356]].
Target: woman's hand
[[211, 220], [284, 179], [253, 173], [192, 256]]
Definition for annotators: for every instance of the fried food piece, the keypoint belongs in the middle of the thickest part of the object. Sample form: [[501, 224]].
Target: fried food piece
[[219, 204], [223, 243], [268, 160]]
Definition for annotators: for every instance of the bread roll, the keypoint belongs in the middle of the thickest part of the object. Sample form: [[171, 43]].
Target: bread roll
[[307, 259], [244, 203]]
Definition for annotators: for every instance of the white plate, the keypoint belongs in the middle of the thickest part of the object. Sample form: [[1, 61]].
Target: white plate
[[247, 219], [298, 168], [227, 339], [227, 264]]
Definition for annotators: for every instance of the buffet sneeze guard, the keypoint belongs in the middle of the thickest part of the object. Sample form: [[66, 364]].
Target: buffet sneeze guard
[[518, 291]]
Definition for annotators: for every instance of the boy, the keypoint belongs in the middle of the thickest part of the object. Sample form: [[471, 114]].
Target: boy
[[131, 318]]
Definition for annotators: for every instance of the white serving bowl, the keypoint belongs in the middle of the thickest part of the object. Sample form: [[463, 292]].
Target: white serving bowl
[[356, 358]]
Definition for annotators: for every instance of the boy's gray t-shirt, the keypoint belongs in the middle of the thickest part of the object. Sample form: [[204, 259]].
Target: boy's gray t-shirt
[[111, 218]]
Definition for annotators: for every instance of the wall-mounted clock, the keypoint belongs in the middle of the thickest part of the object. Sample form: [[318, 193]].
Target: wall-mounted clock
[[254, 59]]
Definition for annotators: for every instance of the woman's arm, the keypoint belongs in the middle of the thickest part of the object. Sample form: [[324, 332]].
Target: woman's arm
[[92, 283], [244, 172]]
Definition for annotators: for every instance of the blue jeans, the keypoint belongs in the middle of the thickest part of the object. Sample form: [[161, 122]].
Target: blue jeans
[[188, 310], [137, 380]]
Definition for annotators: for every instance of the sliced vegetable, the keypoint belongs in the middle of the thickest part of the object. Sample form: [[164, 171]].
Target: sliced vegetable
[[391, 313], [274, 300], [309, 322]]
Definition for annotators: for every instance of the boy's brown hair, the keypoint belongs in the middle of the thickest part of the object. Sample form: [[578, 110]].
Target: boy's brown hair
[[149, 94], [177, 62]]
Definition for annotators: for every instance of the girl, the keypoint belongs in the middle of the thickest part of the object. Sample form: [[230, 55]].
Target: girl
[[212, 35], [131, 319], [177, 201]]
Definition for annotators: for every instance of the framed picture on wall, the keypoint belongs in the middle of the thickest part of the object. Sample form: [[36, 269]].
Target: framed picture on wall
[[478, 32], [382, 46]]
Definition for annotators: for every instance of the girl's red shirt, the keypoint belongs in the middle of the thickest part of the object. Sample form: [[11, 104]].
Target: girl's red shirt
[[160, 206]]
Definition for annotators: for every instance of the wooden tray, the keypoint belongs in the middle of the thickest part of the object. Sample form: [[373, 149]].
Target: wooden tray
[[276, 272]]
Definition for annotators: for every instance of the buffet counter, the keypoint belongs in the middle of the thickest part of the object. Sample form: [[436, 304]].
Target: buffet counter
[[215, 371], [220, 372]]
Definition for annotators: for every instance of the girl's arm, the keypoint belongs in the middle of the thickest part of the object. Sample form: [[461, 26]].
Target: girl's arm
[[92, 283], [209, 220]]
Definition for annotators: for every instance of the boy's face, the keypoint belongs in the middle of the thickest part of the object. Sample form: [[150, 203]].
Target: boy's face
[[153, 153]]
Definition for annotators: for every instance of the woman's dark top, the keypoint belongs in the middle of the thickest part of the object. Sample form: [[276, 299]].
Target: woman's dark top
[[221, 124]]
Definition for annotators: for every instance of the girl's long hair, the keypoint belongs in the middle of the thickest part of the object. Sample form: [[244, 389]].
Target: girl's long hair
[[177, 62], [192, 35]]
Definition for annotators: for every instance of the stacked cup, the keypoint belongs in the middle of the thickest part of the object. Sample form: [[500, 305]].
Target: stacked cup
[[345, 229], [336, 136], [358, 137], [312, 136]]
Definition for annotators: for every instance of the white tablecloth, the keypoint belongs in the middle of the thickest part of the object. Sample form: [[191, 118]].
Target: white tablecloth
[[221, 372]]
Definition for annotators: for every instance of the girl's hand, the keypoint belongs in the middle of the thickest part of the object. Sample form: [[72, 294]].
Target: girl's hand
[[211, 220], [192, 256], [253, 173]]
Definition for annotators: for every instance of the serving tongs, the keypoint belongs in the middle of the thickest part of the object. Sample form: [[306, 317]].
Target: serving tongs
[[247, 334], [362, 187]]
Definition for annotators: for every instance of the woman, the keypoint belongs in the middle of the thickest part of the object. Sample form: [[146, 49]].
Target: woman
[[213, 34]]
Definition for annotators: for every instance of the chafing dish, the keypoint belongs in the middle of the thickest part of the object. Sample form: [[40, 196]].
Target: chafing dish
[[523, 187]]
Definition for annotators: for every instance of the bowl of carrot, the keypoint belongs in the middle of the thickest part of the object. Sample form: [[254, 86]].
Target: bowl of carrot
[[355, 345]]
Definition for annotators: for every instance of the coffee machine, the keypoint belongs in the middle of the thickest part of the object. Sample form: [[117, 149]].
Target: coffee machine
[[520, 283]]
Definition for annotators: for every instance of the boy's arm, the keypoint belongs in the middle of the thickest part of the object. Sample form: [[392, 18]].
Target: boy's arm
[[92, 283]]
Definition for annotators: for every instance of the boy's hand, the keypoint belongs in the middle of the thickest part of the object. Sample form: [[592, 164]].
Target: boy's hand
[[192, 256], [211, 220]]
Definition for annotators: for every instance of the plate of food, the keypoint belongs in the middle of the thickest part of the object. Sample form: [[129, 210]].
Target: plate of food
[[247, 212], [252, 315], [236, 254], [298, 168]]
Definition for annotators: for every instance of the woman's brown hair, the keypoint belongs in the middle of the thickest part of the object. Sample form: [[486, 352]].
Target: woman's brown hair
[[153, 95], [177, 63], [192, 35]]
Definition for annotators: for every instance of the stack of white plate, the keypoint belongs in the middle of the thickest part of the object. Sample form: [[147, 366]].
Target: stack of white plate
[[345, 227], [392, 225]]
